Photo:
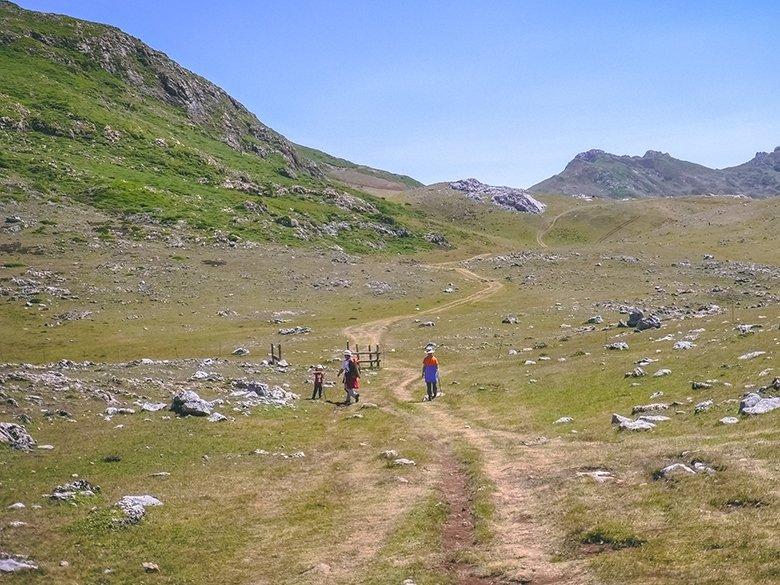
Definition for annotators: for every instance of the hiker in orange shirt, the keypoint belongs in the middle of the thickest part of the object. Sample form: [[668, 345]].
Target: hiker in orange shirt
[[430, 373]]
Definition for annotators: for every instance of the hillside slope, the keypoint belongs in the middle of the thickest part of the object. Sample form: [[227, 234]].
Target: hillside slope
[[657, 174], [90, 113], [356, 175]]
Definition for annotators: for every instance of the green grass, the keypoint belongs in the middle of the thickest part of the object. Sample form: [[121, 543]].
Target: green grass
[[324, 158], [56, 145]]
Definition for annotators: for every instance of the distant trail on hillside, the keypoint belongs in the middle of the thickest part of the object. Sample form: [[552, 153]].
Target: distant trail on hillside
[[544, 231], [371, 332], [615, 230]]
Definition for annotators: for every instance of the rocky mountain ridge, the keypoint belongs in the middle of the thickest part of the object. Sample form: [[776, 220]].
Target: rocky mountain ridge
[[596, 173]]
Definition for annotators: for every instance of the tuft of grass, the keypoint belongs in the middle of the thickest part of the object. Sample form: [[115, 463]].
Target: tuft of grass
[[613, 535]]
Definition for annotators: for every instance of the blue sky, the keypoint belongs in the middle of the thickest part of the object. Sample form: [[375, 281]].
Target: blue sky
[[507, 92]]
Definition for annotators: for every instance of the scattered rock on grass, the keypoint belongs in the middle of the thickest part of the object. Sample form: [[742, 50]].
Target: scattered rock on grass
[[297, 330], [662, 372], [636, 425], [684, 345], [69, 491], [15, 563], [134, 507], [188, 403], [675, 470], [564, 420], [754, 404], [16, 437], [617, 345], [751, 355], [703, 406], [649, 407], [729, 420], [402, 462], [598, 475]]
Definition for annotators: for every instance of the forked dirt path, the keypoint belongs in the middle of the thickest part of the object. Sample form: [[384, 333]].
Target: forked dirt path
[[524, 543], [546, 230]]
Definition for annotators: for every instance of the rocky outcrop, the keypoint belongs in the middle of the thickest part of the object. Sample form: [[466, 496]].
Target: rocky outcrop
[[510, 198], [16, 437], [188, 403], [754, 404]]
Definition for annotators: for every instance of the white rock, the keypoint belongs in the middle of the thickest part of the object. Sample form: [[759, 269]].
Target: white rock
[[684, 345], [754, 404], [617, 345], [653, 418], [751, 355], [676, 470], [403, 462], [563, 420], [729, 420], [636, 425], [14, 564]]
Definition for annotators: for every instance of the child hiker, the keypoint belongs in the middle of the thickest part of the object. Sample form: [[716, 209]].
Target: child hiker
[[319, 376], [430, 373]]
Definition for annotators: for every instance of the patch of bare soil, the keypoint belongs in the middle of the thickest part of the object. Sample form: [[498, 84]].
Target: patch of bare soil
[[459, 529]]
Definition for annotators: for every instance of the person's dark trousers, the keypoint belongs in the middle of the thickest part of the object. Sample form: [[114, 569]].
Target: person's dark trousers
[[317, 392], [431, 389]]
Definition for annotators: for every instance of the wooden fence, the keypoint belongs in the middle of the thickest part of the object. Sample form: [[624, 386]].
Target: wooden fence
[[370, 358], [276, 353]]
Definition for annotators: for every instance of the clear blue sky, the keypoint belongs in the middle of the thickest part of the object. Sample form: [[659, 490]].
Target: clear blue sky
[[506, 92]]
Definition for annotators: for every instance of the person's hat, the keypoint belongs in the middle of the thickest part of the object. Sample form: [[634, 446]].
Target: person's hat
[[318, 367], [347, 352], [429, 350]]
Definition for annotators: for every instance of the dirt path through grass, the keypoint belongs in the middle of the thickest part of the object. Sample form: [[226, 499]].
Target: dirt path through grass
[[546, 230], [523, 543]]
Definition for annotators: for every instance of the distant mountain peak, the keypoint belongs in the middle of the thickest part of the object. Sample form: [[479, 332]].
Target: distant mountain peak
[[590, 155], [596, 173]]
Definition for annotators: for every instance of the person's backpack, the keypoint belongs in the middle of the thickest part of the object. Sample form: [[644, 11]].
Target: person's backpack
[[354, 369]]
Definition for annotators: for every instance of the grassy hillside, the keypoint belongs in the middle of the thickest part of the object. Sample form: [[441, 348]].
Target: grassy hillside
[[358, 175], [90, 113]]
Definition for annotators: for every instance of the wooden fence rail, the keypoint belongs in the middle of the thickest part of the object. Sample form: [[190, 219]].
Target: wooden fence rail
[[370, 358]]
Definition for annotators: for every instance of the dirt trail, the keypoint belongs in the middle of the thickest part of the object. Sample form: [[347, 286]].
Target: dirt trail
[[523, 545], [544, 231], [371, 332], [615, 230]]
